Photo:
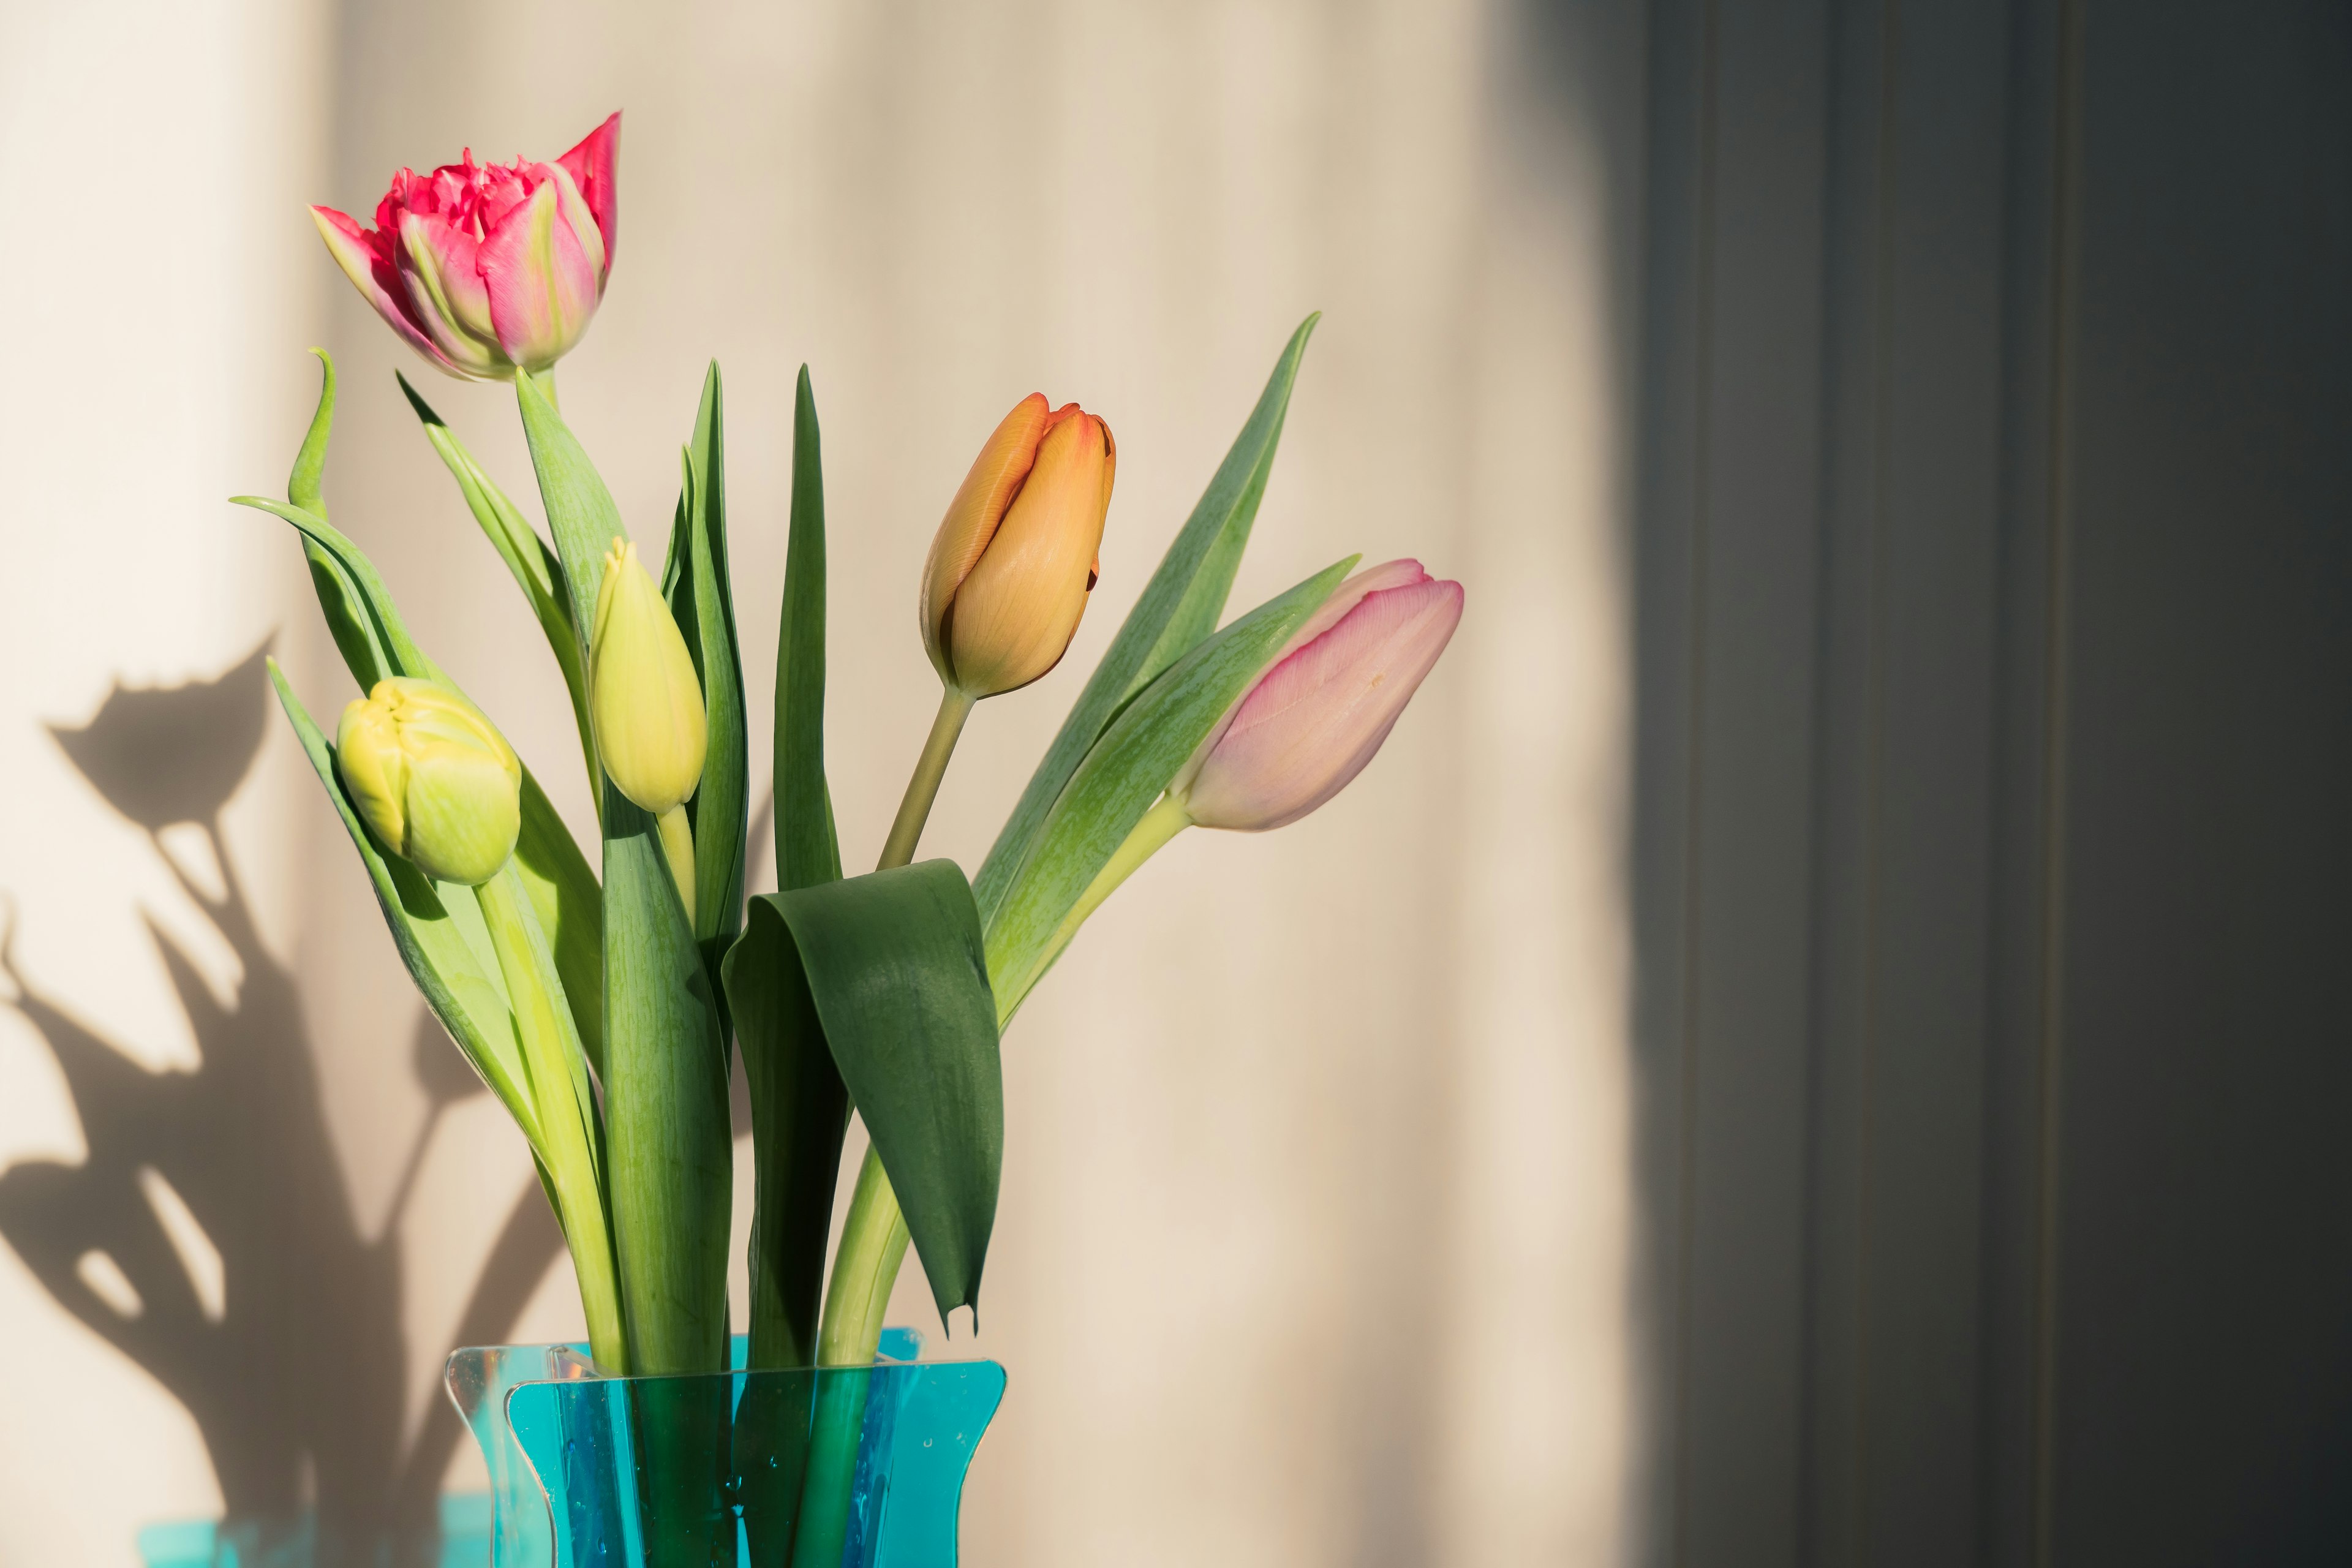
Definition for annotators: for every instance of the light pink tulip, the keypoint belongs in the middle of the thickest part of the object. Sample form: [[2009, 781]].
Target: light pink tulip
[[1320, 710], [487, 269]]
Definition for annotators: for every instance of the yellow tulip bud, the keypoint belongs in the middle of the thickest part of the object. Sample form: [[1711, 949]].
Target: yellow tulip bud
[[1016, 554], [433, 779], [642, 696]]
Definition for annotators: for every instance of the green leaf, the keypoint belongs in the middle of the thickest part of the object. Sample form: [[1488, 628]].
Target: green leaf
[[704, 606], [459, 978], [1178, 608], [368, 599], [670, 1149], [800, 1113], [580, 511], [571, 911], [1127, 770], [807, 850], [570, 1153], [303, 485], [348, 621], [894, 968], [669, 1146], [535, 566], [564, 892]]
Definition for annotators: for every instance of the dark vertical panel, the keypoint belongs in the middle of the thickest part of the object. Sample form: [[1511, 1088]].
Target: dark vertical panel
[[1665, 558], [1904, 802], [2011, 1295], [1934, 592], [1726, 560], [1758, 516], [1858, 289], [2204, 1392], [1994, 586]]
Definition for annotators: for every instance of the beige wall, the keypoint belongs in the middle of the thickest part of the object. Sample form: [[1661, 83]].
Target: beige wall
[[1314, 1232]]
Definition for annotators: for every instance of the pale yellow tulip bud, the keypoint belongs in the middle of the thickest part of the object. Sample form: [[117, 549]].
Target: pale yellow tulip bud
[[433, 779], [642, 696], [1015, 556]]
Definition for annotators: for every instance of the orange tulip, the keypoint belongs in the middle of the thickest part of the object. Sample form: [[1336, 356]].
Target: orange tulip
[[1019, 549]]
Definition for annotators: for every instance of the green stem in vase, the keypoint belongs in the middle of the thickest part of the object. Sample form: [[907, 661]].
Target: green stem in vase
[[872, 1237], [569, 1141]]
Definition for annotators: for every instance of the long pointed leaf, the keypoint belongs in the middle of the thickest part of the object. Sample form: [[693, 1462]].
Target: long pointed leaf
[[305, 485], [800, 1111], [533, 565], [580, 511], [562, 888], [895, 969], [670, 1153], [705, 609], [800, 1107], [1179, 607], [468, 994], [1126, 772], [807, 850], [347, 619]]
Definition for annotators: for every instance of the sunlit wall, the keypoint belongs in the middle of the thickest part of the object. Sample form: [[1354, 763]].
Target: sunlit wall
[[1313, 1234]]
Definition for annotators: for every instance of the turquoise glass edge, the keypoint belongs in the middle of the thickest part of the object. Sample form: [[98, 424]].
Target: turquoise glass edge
[[570, 1487]]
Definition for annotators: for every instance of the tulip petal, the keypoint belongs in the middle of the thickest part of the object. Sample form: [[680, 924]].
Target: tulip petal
[[1015, 615], [1401, 573], [979, 505], [378, 281], [441, 269], [543, 284], [594, 166], [1319, 715], [582, 222]]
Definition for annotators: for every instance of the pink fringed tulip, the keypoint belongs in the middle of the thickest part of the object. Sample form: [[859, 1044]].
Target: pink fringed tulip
[[1320, 710], [486, 269]]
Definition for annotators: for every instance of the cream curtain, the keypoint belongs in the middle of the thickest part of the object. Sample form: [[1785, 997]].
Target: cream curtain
[[1313, 1247]]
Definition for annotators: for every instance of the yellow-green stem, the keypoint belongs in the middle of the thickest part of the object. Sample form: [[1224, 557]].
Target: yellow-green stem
[[874, 1235], [1163, 822], [545, 381], [678, 847], [873, 1247], [923, 788], [874, 1238], [564, 1109]]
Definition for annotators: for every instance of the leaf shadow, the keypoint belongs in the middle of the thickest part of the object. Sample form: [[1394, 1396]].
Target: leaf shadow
[[287, 1344]]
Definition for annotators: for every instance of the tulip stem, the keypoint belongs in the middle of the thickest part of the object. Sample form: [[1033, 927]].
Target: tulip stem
[[563, 1106], [1163, 822], [874, 1235], [922, 789], [677, 837], [545, 381], [864, 1266]]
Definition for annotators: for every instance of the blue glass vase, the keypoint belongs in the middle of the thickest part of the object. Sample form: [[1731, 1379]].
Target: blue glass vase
[[837, 1468]]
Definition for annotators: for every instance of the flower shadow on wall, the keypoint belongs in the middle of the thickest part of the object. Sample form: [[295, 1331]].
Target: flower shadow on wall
[[208, 1235]]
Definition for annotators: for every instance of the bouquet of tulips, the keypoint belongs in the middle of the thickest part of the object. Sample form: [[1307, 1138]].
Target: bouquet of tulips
[[599, 996]]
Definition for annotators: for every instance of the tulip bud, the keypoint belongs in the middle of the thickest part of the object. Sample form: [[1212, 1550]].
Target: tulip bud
[[485, 270], [644, 699], [1016, 555], [1320, 710], [433, 779]]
